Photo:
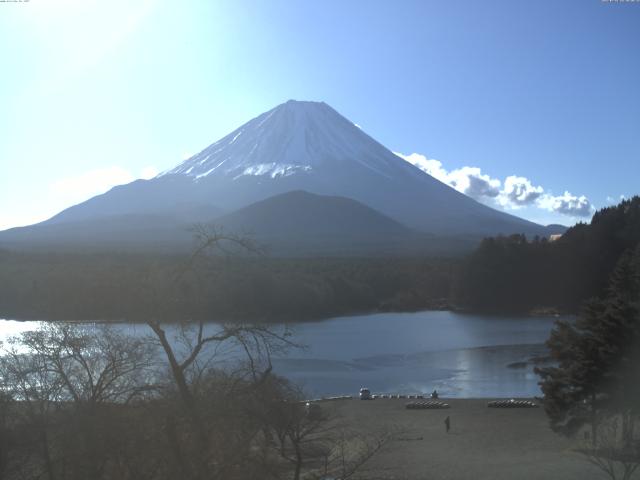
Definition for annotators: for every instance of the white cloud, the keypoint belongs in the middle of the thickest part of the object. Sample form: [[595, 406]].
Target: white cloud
[[71, 190], [92, 182], [514, 193], [519, 192], [432, 167], [9, 220], [468, 180], [568, 204], [149, 172], [471, 181], [78, 188]]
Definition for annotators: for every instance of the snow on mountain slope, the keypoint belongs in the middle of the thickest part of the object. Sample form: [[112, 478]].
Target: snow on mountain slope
[[293, 138]]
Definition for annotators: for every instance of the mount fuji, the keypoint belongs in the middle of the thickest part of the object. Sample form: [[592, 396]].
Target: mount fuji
[[298, 146]]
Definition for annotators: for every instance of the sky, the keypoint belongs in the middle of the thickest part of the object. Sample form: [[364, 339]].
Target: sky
[[532, 107]]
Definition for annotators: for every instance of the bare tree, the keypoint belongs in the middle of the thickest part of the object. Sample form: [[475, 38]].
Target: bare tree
[[191, 356], [613, 452], [93, 364], [312, 439], [68, 380]]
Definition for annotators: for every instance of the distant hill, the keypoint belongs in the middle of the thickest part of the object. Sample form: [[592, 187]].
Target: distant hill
[[302, 222], [301, 213]]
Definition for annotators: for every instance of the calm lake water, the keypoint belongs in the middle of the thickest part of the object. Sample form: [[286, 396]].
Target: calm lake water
[[461, 355]]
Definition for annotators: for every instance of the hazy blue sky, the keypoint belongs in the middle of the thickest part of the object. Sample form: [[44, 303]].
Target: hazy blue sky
[[519, 100]]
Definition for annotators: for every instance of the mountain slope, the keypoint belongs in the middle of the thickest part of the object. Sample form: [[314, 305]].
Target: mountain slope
[[135, 231], [305, 146]]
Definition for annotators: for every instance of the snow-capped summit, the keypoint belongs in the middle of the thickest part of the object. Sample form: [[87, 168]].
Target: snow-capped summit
[[301, 146], [296, 137]]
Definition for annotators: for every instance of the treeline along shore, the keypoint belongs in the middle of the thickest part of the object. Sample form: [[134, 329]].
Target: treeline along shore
[[129, 287], [506, 274], [516, 274]]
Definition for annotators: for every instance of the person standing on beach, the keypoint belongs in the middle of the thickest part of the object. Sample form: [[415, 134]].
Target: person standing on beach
[[447, 424]]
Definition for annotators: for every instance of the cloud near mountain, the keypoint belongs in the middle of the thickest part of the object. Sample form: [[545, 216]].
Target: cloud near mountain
[[519, 192], [568, 204], [513, 193], [83, 185]]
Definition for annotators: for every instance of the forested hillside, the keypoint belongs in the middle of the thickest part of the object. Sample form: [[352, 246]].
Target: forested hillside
[[515, 274], [138, 287]]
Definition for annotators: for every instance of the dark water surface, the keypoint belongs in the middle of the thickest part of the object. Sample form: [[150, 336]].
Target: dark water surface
[[461, 355]]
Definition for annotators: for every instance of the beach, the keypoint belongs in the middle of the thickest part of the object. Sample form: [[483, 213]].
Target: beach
[[483, 443]]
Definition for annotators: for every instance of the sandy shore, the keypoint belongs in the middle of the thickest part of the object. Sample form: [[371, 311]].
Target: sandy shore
[[484, 443]]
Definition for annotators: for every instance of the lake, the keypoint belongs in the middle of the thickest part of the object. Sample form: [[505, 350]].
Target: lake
[[460, 355]]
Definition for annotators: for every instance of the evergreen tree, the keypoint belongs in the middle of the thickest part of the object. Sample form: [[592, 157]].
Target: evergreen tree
[[597, 374]]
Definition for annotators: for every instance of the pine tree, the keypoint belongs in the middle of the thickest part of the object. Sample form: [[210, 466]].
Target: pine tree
[[597, 371]]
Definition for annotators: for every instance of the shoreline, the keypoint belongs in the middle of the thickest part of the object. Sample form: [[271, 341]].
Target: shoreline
[[438, 305]]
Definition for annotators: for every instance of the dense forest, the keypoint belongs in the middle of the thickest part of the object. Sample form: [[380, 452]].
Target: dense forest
[[513, 274], [257, 288]]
